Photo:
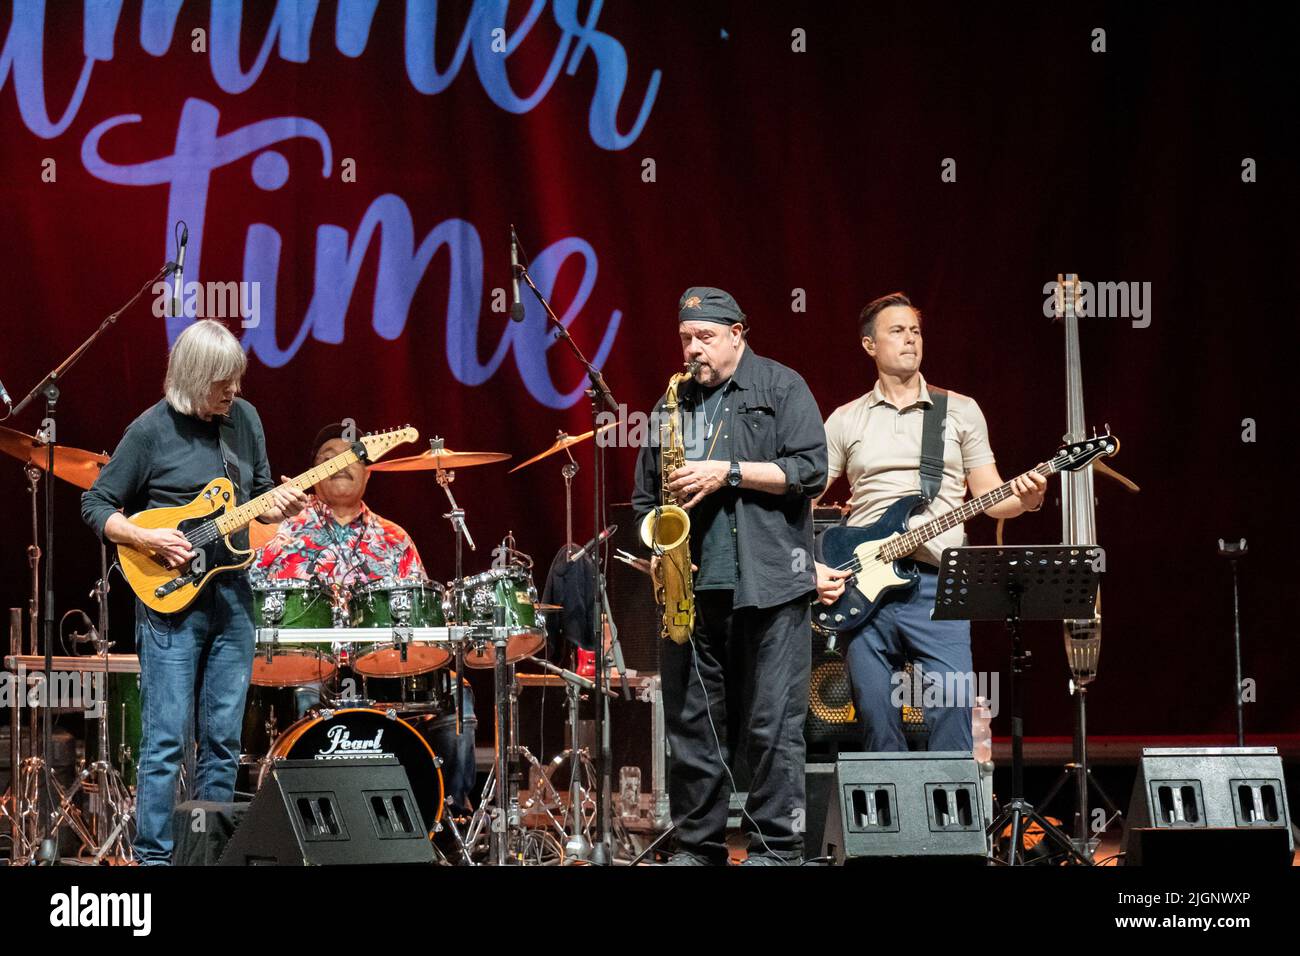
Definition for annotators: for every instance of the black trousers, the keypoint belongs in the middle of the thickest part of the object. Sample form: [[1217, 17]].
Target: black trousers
[[752, 679]]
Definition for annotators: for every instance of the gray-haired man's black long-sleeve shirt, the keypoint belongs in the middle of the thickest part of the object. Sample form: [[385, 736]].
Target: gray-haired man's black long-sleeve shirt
[[165, 458], [771, 417]]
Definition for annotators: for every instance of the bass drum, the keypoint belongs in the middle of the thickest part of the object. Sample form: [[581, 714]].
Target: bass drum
[[362, 732]]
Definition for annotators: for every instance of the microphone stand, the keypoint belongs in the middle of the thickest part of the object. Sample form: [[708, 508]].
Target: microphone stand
[[601, 397], [49, 387]]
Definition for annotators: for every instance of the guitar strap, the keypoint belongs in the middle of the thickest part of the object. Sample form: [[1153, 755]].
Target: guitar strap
[[932, 443], [235, 471]]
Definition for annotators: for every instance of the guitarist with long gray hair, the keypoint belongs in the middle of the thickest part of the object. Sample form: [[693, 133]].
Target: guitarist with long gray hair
[[879, 441], [195, 664]]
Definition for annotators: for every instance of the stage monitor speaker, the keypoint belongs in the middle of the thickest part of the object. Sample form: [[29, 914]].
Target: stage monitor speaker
[[899, 806], [201, 830], [331, 812], [1208, 804]]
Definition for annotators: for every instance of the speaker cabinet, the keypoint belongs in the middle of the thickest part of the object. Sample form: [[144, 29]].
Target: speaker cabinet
[[893, 806], [1209, 804], [330, 813]]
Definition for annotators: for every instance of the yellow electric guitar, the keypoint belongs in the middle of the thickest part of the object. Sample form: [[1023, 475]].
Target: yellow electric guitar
[[212, 517]]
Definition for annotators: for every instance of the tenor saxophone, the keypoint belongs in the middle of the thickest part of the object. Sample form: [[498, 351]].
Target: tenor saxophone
[[667, 529]]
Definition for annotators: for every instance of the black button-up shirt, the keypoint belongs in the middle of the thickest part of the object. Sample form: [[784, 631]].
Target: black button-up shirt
[[774, 418]]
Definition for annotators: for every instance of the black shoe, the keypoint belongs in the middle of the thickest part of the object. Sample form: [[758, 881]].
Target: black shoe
[[686, 858], [771, 859]]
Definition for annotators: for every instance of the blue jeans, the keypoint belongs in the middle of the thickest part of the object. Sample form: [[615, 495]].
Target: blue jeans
[[195, 666], [902, 631], [456, 751]]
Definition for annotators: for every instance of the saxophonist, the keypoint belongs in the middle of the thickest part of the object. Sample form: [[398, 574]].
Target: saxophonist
[[755, 458]]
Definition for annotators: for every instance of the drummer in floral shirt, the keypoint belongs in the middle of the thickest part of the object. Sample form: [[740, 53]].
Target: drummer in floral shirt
[[337, 539]]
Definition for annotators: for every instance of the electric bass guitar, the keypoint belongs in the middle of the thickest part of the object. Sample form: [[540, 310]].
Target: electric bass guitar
[[212, 517], [873, 554]]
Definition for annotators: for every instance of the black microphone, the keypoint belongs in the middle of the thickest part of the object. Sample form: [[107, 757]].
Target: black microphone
[[592, 543], [180, 270], [516, 304]]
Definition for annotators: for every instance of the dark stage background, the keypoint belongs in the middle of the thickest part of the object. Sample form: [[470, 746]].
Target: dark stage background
[[773, 171]]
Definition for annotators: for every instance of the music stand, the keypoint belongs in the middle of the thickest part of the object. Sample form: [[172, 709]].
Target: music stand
[[1034, 583]]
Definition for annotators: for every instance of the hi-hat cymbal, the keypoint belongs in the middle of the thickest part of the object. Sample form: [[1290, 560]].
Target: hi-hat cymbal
[[73, 465], [562, 441], [442, 460]]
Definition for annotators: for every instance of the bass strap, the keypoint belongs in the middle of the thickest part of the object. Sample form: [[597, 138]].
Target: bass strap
[[932, 443]]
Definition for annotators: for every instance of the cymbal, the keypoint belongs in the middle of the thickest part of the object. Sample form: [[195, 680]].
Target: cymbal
[[73, 465], [545, 608], [562, 441], [443, 460]]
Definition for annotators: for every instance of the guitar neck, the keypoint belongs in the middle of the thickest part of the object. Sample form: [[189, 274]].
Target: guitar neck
[[245, 514], [909, 541]]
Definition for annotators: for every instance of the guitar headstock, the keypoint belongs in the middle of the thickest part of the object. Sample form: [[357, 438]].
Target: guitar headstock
[[1077, 454], [1069, 293], [378, 444]]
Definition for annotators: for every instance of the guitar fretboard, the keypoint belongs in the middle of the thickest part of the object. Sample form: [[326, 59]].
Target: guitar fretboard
[[908, 542], [247, 513]]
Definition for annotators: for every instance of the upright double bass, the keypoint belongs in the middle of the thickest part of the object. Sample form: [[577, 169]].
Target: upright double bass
[[1078, 512]]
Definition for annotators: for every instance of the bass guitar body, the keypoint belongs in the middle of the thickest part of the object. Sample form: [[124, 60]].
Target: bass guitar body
[[874, 579], [168, 590]]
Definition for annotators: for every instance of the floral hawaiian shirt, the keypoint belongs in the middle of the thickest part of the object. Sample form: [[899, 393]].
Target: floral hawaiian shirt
[[313, 546]]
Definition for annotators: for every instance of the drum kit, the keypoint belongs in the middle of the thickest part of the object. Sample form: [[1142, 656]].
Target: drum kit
[[373, 668]]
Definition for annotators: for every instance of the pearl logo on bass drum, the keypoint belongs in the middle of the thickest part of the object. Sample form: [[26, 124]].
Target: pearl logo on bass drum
[[340, 744]]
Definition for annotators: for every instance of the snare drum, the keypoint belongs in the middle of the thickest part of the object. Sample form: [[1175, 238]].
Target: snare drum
[[388, 604], [286, 605], [508, 588]]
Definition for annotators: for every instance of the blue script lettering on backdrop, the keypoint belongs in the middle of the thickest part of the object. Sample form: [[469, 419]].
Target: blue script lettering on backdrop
[[199, 150]]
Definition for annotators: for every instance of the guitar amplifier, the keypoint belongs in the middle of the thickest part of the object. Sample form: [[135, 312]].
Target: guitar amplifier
[[832, 717]]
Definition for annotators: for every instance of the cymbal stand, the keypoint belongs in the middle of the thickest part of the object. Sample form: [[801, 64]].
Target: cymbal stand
[[33, 785], [112, 807], [569, 471], [10, 812], [461, 530], [48, 435], [582, 770], [21, 816], [497, 813]]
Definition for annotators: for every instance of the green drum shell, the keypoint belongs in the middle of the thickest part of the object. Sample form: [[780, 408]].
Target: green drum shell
[[384, 605], [299, 606], [286, 607], [512, 589], [373, 606]]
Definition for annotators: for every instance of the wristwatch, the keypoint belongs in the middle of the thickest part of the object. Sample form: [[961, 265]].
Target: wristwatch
[[733, 475]]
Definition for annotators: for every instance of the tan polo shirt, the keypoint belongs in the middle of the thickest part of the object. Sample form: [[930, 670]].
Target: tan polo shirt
[[878, 447]]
